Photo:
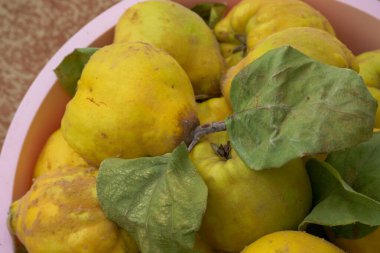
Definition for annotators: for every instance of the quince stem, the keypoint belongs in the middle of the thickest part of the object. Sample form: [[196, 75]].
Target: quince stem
[[205, 129]]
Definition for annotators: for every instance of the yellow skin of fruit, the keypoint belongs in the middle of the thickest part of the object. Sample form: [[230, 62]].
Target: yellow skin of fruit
[[231, 57], [227, 49], [213, 110], [244, 204], [369, 64], [367, 244], [291, 242], [61, 213], [180, 32], [315, 43], [375, 92], [55, 154], [132, 100], [257, 19]]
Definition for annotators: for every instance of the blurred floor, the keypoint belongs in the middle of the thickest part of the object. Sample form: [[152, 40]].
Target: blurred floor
[[30, 33]]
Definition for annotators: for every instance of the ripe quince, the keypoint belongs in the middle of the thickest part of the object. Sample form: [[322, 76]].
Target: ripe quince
[[243, 204], [61, 214], [369, 65], [180, 32], [55, 154], [291, 242], [213, 110], [251, 21], [132, 100], [315, 43]]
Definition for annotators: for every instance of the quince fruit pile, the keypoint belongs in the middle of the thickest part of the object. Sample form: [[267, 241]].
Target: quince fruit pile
[[165, 74]]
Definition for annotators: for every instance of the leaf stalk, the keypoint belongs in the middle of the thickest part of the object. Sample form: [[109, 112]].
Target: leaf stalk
[[205, 129]]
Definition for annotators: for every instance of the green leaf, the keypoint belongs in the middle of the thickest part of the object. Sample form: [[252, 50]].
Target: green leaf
[[353, 231], [359, 168], [287, 105], [337, 204], [211, 13], [70, 69], [159, 200]]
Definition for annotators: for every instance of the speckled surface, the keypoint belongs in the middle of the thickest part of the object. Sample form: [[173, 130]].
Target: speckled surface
[[30, 33]]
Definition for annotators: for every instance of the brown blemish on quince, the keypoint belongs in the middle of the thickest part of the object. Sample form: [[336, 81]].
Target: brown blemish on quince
[[92, 100], [134, 16], [187, 123]]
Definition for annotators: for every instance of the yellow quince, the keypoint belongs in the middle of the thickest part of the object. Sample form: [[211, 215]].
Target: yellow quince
[[251, 21], [132, 100], [55, 154], [61, 214], [180, 32], [244, 204], [291, 242], [369, 65], [315, 43]]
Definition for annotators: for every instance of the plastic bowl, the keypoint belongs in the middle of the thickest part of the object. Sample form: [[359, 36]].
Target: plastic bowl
[[356, 23]]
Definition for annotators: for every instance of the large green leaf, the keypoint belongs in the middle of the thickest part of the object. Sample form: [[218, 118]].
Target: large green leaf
[[70, 69], [211, 13], [351, 213], [287, 105], [159, 200]]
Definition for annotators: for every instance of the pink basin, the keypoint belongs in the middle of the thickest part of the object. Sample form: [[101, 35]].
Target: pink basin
[[357, 24]]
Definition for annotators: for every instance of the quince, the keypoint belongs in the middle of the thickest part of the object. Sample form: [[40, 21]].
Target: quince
[[213, 110], [132, 100], [180, 32], [291, 242], [55, 154], [315, 43], [369, 64], [251, 21], [244, 204], [232, 53], [61, 214]]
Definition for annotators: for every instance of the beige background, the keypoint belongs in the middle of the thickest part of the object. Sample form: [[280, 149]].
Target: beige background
[[30, 33]]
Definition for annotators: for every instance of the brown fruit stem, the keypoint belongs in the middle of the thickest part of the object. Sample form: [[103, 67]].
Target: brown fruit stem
[[243, 46], [205, 129]]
